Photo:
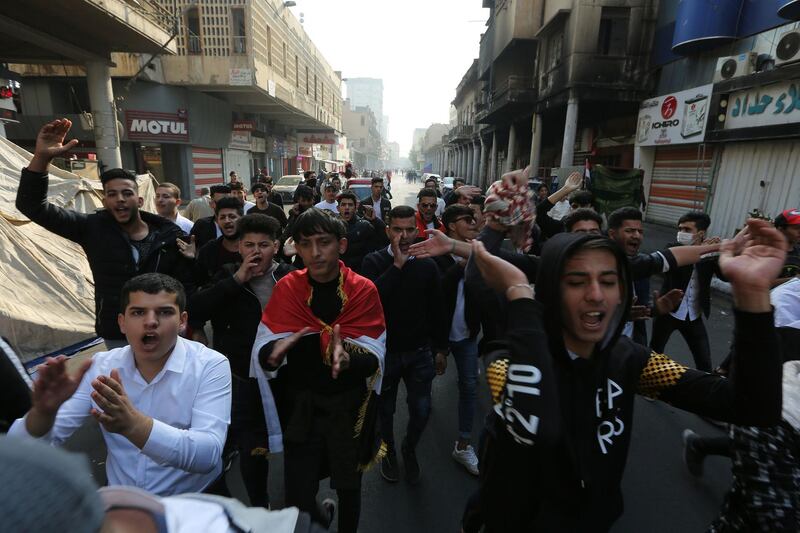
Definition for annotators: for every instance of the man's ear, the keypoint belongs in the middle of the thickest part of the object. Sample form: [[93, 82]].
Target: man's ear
[[121, 322], [342, 245], [141, 202]]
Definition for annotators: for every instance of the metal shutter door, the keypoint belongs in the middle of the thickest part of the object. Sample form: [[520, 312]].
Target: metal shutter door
[[681, 178]]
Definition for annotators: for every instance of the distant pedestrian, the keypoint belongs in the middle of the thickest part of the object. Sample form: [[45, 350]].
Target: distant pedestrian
[[199, 207]]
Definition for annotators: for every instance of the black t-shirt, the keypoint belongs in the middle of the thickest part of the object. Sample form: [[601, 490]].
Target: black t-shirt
[[271, 210]]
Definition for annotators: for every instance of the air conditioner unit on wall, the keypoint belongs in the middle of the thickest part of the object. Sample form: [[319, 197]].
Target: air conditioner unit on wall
[[735, 66], [788, 48]]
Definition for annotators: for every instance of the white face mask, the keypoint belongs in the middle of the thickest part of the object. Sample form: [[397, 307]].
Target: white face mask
[[685, 238]]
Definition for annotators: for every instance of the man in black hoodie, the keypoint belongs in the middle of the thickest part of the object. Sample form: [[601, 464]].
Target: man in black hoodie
[[120, 241], [564, 392], [234, 302]]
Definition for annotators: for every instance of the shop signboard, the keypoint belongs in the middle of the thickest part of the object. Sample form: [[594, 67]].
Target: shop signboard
[[676, 118], [305, 150], [240, 76], [244, 125], [158, 127], [258, 145], [770, 105], [240, 140], [318, 138]]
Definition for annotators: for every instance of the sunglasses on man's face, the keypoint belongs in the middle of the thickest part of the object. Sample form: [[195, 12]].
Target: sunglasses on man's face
[[427, 206]]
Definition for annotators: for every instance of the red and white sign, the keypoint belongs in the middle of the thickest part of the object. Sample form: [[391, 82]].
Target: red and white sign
[[244, 125], [669, 106], [150, 126], [676, 118]]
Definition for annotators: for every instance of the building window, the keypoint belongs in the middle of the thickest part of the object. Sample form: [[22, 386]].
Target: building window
[[612, 39], [269, 46], [554, 50], [193, 45], [296, 71], [315, 87], [284, 60], [239, 37], [307, 91]]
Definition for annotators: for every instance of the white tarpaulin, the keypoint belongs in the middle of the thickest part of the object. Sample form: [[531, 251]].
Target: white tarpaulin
[[46, 287]]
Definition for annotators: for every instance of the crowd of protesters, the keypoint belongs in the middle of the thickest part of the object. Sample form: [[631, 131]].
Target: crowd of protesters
[[234, 330]]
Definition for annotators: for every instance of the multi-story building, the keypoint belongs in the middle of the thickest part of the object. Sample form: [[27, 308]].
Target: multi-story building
[[246, 89], [364, 140], [434, 149], [460, 156], [62, 37], [722, 133], [368, 92]]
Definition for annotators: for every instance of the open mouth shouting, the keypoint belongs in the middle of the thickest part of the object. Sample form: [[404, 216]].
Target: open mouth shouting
[[150, 341]]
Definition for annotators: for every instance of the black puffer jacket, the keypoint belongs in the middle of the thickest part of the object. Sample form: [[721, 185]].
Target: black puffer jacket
[[555, 457], [106, 246], [234, 311]]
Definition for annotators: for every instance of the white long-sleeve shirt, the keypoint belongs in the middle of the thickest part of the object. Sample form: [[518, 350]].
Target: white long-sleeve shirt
[[190, 404]]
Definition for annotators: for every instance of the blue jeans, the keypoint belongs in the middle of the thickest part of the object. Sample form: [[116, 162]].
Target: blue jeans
[[465, 353], [416, 369]]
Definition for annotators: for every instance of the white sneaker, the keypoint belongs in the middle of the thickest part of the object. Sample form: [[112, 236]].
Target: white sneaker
[[467, 458]]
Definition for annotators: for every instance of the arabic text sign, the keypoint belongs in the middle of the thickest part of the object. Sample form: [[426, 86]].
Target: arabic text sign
[[675, 118], [764, 106]]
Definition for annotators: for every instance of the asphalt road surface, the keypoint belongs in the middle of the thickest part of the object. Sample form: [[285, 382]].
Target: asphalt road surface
[[660, 495]]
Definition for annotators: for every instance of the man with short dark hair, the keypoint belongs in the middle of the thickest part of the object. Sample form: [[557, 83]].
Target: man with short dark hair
[[695, 283], [154, 441], [303, 200], [451, 196], [464, 325], [168, 198], [238, 190], [433, 183], [549, 225], [583, 220], [120, 241], [414, 306], [425, 216], [323, 334], [626, 229], [265, 206], [364, 235], [377, 202], [273, 197], [234, 301], [206, 229], [225, 249]]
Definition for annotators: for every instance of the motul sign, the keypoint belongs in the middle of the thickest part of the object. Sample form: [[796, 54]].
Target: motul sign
[[148, 126]]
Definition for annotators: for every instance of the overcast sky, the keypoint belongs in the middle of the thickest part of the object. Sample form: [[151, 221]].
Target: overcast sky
[[420, 48]]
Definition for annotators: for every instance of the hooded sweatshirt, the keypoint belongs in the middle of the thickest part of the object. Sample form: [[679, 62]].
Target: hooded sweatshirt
[[560, 431]]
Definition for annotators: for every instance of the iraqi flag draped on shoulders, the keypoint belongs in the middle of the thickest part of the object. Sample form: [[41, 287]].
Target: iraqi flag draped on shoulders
[[361, 328]]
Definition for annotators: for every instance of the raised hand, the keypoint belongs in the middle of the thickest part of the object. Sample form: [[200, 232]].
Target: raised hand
[[469, 191], [54, 386], [751, 261], [573, 181], [249, 264], [667, 303], [187, 249], [289, 249], [399, 257], [340, 359], [117, 413], [435, 245], [50, 144], [283, 346], [499, 274]]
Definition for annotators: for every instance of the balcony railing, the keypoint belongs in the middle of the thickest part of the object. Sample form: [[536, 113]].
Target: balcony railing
[[193, 44], [154, 12], [461, 132]]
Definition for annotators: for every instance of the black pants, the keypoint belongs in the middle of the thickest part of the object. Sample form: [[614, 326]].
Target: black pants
[[303, 463], [248, 435], [694, 333]]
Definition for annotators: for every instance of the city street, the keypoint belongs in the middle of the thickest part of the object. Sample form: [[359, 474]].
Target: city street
[[660, 495]]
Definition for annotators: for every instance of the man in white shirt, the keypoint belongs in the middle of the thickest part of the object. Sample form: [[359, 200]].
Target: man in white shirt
[[238, 190], [328, 202], [163, 403], [168, 198]]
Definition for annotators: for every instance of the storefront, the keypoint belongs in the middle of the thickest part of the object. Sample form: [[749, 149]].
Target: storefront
[[759, 167], [155, 141], [677, 163]]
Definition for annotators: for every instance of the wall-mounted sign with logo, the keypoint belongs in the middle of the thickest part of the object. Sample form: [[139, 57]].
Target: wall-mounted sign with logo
[[244, 125], [149, 126], [305, 150], [676, 118], [318, 138], [240, 76], [240, 140], [764, 106]]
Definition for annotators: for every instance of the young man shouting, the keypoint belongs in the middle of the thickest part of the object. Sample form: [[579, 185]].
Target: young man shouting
[[364, 235], [417, 327], [564, 394], [120, 241], [265, 206], [234, 302], [328, 202], [225, 249], [163, 402], [323, 335], [168, 198]]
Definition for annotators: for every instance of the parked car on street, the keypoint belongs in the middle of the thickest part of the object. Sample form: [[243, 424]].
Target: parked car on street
[[362, 188], [286, 185], [447, 185]]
